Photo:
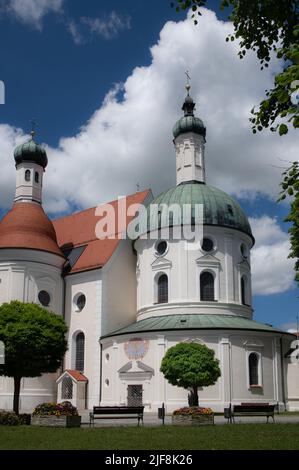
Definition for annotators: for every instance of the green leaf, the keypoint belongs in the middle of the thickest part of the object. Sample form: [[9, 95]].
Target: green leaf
[[283, 129]]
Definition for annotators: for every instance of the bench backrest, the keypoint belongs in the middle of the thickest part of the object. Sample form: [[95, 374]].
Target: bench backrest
[[106, 410], [254, 408]]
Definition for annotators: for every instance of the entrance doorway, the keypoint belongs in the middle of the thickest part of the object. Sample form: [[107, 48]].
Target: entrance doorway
[[135, 395]]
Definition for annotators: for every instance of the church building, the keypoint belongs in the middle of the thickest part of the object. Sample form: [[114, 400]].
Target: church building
[[126, 301]]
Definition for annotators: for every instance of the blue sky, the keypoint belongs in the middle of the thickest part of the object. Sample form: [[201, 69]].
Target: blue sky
[[88, 63]]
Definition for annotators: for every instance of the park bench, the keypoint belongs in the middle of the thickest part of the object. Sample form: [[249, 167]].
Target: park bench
[[116, 412], [250, 409]]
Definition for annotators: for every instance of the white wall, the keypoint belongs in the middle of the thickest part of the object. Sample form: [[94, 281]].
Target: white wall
[[183, 268], [231, 348], [23, 273]]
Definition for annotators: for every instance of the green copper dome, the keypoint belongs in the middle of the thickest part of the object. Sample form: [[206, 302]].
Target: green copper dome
[[31, 152], [189, 124], [219, 209]]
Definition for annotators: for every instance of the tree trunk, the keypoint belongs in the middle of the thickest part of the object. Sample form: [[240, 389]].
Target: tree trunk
[[195, 396], [16, 396]]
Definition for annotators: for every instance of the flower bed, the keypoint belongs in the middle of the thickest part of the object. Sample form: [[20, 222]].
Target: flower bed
[[56, 414], [193, 416]]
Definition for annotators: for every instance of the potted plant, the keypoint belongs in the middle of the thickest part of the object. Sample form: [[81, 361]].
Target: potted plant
[[56, 414], [193, 416]]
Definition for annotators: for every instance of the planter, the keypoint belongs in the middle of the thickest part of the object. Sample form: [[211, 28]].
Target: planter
[[57, 421], [188, 420]]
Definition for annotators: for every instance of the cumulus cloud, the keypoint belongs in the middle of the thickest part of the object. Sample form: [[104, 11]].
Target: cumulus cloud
[[32, 11], [129, 139], [272, 271]]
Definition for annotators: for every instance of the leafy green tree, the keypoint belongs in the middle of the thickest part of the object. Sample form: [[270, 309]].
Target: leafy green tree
[[290, 188], [190, 365], [34, 341], [270, 28]]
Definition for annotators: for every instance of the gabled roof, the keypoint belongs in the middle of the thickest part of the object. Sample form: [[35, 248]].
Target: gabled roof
[[75, 374], [78, 230]]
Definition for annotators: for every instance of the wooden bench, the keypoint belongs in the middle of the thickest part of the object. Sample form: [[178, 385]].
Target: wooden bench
[[250, 409], [116, 412]]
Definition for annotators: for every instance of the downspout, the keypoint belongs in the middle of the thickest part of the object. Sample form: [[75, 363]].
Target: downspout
[[101, 369], [282, 375]]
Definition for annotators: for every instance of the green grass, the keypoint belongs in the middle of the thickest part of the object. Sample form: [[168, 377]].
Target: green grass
[[239, 436]]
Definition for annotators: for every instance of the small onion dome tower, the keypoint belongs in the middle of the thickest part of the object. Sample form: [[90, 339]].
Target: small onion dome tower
[[31, 161], [26, 226], [189, 135]]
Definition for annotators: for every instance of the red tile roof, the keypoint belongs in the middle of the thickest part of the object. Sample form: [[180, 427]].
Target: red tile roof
[[79, 229], [77, 375], [27, 226]]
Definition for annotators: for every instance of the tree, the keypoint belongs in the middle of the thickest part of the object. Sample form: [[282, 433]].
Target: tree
[[34, 341], [268, 27], [290, 188], [190, 365]]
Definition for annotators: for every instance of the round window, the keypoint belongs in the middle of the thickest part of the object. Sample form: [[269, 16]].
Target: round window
[[243, 249], [161, 248], [44, 298], [80, 302], [207, 244]]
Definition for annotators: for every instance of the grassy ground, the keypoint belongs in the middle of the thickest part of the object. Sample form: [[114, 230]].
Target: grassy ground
[[239, 436]]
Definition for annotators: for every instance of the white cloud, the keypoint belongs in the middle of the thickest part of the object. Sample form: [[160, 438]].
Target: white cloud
[[272, 271], [74, 31], [129, 139], [32, 11], [107, 28]]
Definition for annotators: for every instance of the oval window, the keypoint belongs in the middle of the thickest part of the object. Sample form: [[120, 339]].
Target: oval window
[[161, 248], [80, 302], [207, 245], [44, 298]]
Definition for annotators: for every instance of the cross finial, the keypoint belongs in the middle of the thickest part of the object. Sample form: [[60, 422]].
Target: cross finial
[[138, 187], [188, 86], [33, 123]]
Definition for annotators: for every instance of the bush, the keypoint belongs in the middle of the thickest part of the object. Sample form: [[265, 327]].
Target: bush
[[25, 419], [193, 411], [8, 418], [55, 409]]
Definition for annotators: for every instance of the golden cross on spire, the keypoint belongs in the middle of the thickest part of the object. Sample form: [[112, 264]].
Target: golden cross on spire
[[34, 124], [188, 86]]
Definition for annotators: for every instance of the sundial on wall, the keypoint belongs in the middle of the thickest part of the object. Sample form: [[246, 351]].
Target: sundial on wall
[[136, 348]]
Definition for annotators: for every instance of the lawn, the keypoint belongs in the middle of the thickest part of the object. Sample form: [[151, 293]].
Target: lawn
[[239, 436]]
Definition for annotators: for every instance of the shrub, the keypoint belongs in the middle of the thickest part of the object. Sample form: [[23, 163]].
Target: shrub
[[25, 419], [193, 411], [55, 409], [8, 418]]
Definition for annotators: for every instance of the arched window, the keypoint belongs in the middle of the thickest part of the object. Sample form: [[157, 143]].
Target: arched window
[[163, 289], [207, 291], [80, 350], [67, 388], [36, 177], [243, 290], [253, 361], [27, 175]]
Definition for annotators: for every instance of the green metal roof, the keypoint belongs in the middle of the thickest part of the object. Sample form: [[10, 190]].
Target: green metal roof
[[189, 124], [218, 208], [31, 152], [193, 322]]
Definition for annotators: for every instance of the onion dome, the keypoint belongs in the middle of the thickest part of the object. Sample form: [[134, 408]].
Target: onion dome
[[189, 123], [26, 226], [31, 152], [219, 209]]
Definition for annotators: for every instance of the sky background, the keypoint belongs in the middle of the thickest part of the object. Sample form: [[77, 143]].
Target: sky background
[[105, 82]]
